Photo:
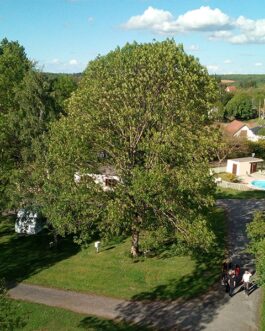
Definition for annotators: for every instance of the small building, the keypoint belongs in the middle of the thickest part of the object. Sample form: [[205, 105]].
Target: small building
[[107, 178], [239, 129], [243, 166], [230, 89]]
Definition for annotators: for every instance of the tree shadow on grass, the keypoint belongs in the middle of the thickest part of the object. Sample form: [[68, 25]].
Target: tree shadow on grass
[[192, 311], [190, 302], [24, 256], [94, 323]]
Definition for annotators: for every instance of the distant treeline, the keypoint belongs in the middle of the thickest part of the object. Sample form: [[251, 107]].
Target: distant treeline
[[76, 76], [248, 80]]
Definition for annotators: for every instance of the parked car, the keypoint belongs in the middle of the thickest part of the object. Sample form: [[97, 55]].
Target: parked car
[[29, 221]]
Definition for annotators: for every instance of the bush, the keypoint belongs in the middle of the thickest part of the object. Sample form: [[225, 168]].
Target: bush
[[228, 177], [261, 132], [9, 318]]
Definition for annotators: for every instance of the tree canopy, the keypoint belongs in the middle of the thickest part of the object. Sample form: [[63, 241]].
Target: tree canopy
[[141, 110], [240, 107], [30, 101], [256, 234]]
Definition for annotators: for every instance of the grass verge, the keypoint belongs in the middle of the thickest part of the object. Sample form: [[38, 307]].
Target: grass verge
[[111, 272], [263, 311], [223, 193], [41, 317]]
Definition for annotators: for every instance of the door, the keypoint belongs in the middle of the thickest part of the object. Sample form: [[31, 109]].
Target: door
[[253, 167], [234, 170]]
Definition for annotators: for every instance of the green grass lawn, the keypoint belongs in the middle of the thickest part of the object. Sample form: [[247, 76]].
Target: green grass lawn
[[226, 193], [111, 272], [263, 312], [41, 317]]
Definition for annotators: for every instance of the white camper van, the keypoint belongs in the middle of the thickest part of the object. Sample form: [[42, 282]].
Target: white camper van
[[29, 221]]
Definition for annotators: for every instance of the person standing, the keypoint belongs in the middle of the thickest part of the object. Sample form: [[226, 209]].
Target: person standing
[[237, 273], [246, 281], [231, 282]]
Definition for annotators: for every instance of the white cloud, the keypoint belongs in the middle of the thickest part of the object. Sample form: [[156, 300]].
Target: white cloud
[[240, 30], [151, 18], [258, 64], [204, 19], [212, 68], [161, 21], [193, 48], [73, 62], [90, 19], [227, 61], [222, 34], [55, 61]]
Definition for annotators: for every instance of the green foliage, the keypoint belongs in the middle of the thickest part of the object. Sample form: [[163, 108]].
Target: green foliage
[[30, 101], [240, 107], [256, 234], [258, 148], [145, 106], [63, 86], [248, 83], [13, 66], [228, 177], [261, 132], [231, 147], [10, 319]]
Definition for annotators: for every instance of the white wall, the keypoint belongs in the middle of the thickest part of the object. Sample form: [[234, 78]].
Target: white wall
[[229, 166], [98, 179], [244, 168], [250, 135]]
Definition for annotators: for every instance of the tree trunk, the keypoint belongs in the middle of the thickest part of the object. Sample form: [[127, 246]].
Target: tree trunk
[[135, 243], [55, 238]]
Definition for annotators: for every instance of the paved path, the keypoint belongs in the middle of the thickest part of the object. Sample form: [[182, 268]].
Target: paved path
[[214, 311]]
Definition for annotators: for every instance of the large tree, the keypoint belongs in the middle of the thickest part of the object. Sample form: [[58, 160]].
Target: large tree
[[143, 111], [29, 102], [14, 65], [240, 107]]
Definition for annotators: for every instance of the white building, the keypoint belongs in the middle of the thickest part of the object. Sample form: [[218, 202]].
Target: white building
[[107, 182], [242, 130], [243, 166]]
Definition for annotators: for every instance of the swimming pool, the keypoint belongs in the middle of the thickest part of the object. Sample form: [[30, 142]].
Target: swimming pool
[[259, 184]]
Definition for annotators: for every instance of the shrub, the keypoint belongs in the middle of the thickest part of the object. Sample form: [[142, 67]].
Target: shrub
[[9, 318], [229, 177], [261, 132]]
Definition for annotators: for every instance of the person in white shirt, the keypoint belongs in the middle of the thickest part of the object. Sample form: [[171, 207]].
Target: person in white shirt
[[246, 280]]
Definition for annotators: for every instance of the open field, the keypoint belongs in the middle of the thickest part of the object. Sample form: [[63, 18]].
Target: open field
[[227, 81], [111, 272], [225, 193], [41, 317]]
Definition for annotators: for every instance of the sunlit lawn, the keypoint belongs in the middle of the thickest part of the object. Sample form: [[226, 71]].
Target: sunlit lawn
[[40, 317], [226, 193], [111, 272]]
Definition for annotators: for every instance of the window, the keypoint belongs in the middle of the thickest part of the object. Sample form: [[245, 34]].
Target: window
[[110, 182]]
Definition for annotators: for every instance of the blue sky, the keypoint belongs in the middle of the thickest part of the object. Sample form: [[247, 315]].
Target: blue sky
[[227, 36]]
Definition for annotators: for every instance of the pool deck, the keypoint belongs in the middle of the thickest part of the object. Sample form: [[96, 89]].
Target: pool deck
[[247, 179]]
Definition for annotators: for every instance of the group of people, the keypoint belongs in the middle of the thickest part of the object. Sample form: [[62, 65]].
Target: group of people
[[231, 278]]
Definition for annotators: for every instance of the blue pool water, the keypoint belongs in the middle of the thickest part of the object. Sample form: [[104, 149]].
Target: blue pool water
[[259, 184]]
